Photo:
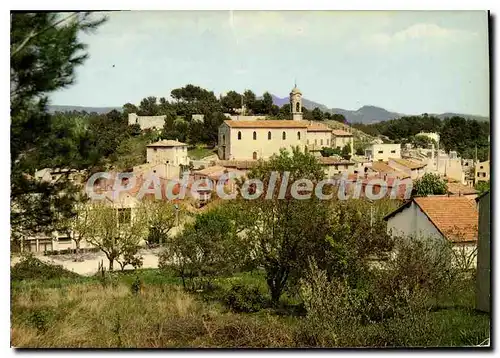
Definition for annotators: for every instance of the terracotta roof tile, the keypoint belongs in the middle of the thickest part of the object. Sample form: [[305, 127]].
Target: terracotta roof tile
[[408, 163], [333, 161], [267, 124], [455, 217], [460, 189], [341, 133], [167, 143], [238, 164], [382, 167], [318, 127]]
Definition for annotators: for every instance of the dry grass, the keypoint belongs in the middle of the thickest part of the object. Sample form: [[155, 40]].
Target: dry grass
[[92, 315], [102, 317]]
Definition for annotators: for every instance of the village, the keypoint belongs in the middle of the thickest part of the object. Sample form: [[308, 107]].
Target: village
[[243, 140], [238, 219]]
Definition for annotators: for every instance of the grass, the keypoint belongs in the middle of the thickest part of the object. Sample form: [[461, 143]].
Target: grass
[[89, 312], [200, 152]]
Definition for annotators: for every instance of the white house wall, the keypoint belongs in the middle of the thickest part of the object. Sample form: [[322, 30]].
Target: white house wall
[[413, 222]]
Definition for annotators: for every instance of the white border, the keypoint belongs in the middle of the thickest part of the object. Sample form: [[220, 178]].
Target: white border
[[186, 5]]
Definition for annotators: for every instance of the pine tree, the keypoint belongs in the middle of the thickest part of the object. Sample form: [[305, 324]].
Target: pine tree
[[44, 52]]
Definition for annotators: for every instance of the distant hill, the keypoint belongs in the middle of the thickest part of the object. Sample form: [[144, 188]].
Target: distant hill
[[53, 109], [366, 114]]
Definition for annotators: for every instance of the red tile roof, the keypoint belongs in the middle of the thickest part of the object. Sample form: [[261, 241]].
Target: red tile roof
[[317, 127], [455, 217], [460, 189], [408, 163], [382, 167], [267, 124], [341, 133]]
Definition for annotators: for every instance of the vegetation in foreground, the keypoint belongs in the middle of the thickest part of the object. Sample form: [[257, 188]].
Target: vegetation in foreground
[[150, 309]]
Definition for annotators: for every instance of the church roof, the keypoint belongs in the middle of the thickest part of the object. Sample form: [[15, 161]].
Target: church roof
[[309, 125], [295, 90], [267, 124]]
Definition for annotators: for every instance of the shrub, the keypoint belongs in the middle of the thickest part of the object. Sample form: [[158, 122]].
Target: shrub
[[136, 286], [419, 270], [32, 268], [245, 298]]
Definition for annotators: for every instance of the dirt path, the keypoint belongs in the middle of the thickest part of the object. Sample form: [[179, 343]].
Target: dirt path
[[91, 261]]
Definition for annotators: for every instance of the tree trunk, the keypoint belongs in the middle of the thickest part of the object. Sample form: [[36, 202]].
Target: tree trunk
[[111, 263], [77, 250]]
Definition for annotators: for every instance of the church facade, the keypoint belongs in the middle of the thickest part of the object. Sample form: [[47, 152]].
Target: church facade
[[251, 140]]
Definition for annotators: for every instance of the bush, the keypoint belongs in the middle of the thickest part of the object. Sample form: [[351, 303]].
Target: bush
[[244, 298], [32, 268], [419, 270]]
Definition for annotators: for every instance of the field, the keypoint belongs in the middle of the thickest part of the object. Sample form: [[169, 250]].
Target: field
[[150, 309]]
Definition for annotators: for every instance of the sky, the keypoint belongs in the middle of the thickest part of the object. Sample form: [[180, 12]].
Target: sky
[[409, 62]]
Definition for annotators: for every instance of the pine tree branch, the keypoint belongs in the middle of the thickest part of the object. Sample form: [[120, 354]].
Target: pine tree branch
[[35, 34]]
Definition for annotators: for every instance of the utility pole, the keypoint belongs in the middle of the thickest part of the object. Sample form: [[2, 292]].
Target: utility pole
[[437, 158]]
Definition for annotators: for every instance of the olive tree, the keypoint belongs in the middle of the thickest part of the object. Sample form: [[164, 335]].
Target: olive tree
[[117, 231]]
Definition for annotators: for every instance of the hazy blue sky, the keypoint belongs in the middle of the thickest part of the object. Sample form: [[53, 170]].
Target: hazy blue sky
[[409, 62]]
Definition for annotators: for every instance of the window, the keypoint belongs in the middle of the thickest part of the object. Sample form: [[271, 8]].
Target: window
[[155, 149], [254, 155], [297, 107], [269, 135], [478, 175], [484, 175], [124, 216], [393, 151], [315, 141], [481, 167], [254, 135], [380, 160], [64, 239], [308, 142], [380, 152], [321, 142], [298, 135], [239, 135], [223, 138], [328, 142], [284, 135]]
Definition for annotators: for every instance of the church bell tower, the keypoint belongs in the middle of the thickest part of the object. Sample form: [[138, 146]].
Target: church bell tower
[[296, 104]]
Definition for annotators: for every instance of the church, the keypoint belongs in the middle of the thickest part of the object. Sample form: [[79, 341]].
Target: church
[[256, 139]]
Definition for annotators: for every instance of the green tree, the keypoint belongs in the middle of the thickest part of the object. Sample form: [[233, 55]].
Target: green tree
[[205, 248], [149, 107], [250, 100], [231, 101], [44, 51], [163, 216], [212, 123], [267, 104], [430, 184], [346, 152], [420, 141], [482, 186], [281, 230], [116, 231], [317, 114]]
